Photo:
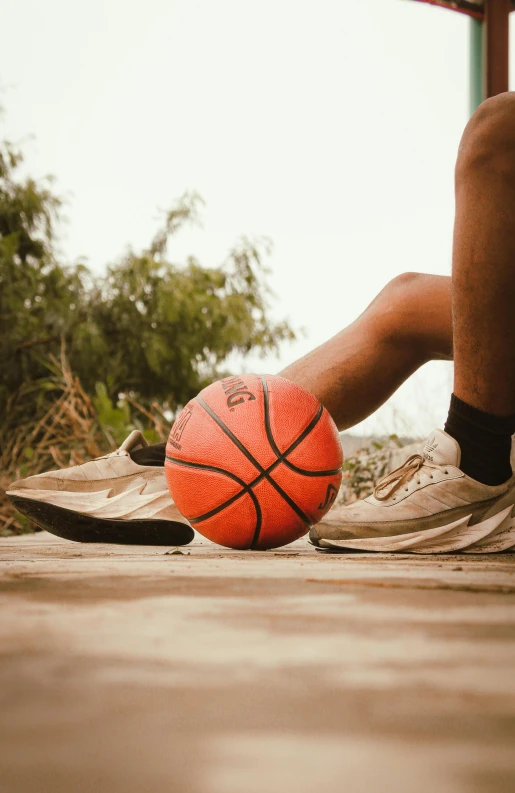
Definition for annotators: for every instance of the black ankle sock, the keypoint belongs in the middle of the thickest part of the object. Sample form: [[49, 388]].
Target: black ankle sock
[[150, 455], [484, 439]]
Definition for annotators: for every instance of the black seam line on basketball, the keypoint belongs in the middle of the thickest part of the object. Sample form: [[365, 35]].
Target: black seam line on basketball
[[213, 468], [257, 507], [293, 467], [259, 519], [245, 489], [311, 426], [230, 435], [216, 510], [282, 455], [254, 462], [221, 507], [281, 492], [258, 479], [268, 428]]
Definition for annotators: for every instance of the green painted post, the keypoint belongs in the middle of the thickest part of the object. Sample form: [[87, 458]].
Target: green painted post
[[477, 81]]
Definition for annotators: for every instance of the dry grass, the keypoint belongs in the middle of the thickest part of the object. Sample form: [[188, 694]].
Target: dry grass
[[52, 423]]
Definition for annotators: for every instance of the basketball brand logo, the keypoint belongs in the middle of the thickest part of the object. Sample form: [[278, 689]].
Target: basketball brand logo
[[179, 427], [329, 497], [236, 391]]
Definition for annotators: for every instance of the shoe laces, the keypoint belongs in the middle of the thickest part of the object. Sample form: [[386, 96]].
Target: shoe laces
[[402, 476]]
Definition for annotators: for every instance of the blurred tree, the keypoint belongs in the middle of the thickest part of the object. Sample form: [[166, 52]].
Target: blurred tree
[[39, 299], [154, 329], [167, 330]]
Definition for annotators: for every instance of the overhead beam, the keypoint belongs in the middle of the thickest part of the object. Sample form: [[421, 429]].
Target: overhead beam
[[470, 7]]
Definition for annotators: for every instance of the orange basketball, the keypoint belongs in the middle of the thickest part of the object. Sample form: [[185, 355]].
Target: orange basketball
[[254, 461]]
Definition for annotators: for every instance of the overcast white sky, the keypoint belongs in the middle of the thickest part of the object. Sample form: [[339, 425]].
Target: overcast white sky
[[330, 126]]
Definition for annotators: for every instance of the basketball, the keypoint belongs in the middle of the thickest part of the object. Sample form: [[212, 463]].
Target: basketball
[[254, 462]]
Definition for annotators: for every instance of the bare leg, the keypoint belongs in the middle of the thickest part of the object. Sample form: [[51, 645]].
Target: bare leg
[[464, 473], [354, 373], [484, 260]]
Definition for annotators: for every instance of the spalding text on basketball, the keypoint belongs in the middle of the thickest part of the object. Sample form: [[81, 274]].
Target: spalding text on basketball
[[236, 391], [179, 427]]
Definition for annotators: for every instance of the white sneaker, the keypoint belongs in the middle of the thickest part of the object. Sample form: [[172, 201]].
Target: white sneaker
[[109, 499], [428, 505]]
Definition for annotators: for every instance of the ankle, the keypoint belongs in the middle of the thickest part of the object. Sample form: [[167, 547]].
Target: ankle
[[484, 440]]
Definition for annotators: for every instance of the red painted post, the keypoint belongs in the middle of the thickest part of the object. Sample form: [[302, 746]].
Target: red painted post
[[496, 61]]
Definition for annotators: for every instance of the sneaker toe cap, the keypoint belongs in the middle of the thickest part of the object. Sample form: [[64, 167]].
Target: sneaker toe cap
[[45, 481]]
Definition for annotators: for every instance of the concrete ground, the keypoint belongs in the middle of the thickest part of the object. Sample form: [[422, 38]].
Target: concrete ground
[[127, 669]]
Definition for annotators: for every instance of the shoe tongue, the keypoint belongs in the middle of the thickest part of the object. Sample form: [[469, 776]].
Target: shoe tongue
[[132, 441], [441, 449]]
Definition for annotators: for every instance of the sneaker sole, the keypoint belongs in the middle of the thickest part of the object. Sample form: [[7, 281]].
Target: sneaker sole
[[495, 534], [80, 527]]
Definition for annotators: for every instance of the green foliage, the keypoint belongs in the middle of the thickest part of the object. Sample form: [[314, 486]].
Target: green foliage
[[167, 330], [85, 359], [362, 471], [149, 328], [39, 298]]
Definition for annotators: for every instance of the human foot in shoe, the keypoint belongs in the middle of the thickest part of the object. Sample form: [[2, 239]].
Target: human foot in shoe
[[110, 499], [428, 505]]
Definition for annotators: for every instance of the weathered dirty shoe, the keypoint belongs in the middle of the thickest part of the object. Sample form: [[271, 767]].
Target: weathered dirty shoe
[[427, 505], [110, 499]]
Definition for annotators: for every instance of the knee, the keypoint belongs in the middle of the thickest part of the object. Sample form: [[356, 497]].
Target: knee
[[488, 142], [402, 292], [399, 304]]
